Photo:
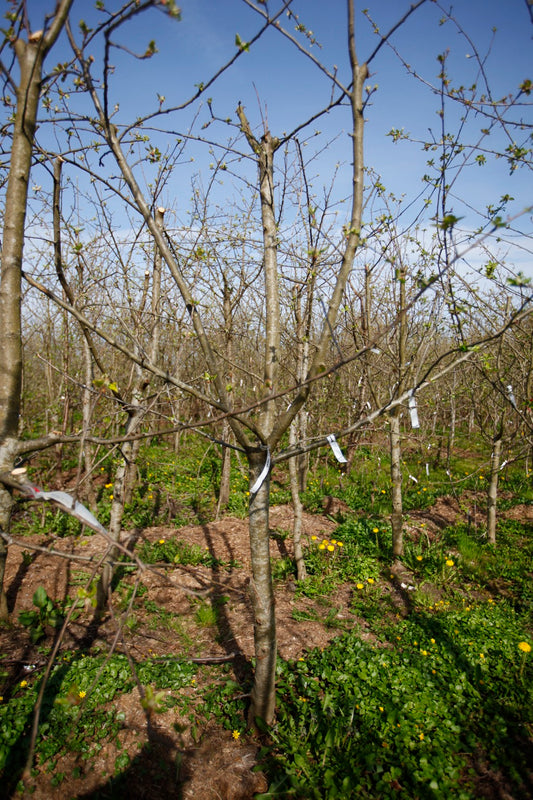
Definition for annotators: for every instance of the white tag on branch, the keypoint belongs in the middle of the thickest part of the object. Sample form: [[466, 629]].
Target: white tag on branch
[[413, 411], [511, 395], [67, 503], [337, 452], [264, 472]]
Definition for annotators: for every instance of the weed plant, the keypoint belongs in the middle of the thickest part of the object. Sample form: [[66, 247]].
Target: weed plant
[[175, 551], [408, 715], [78, 713]]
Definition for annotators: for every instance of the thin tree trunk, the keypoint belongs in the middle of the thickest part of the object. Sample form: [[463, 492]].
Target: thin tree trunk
[[492, 490], [396, 479], [225, 473], [263, 695], [136, 412], [395, 434], [295, 477]]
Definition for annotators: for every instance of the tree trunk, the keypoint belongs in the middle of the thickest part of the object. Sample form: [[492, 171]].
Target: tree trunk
[[30, 56], [395, 436], [295, 478], [225, 473], [262, 595], [492, 491], [396, 480]]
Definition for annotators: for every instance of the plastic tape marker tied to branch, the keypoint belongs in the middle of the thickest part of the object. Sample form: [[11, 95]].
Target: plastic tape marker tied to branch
[[68, 504], [337, 452], [413, 411], [264, 472]]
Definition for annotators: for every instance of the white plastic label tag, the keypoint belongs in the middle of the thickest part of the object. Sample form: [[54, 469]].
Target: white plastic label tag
[[71, 506], [337, 452], [413, 411], [264, 472]]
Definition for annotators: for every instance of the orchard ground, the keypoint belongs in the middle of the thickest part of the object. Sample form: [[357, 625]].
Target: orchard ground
[[170, 741]]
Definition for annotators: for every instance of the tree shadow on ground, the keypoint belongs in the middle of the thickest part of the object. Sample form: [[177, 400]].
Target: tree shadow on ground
[[216, 768]]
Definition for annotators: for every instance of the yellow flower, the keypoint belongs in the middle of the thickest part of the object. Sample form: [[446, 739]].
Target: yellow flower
[[82, 694], [432, 641], [375, 530], [110, 496], [235, 735], [331, 547], [421, 737], [419, 558], [482, 655], [314, 538], [371, 580], [333, 541], [340, 544], [524, 647], [161, 541], [449, 562], [108, 485], [381, 708], [383, 491], [23, 684], [1, 698], [321, 546], [359, 586]]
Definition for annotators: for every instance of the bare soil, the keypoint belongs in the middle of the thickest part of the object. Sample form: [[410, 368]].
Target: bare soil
[[165, 759]]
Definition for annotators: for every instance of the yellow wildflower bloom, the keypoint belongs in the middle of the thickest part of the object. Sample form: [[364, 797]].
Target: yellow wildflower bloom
[[82, 694], [235, 735], [524, 647], [449, 562]]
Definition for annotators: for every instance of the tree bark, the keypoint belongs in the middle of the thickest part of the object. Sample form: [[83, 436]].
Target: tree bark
[[492, 490], [30, 56], [396, 480], [263, 696]]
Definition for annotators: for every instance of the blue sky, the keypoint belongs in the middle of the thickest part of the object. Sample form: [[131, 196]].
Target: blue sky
[[275, 80]]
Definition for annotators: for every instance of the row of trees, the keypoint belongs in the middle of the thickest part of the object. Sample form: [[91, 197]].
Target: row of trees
[[270, 324]]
